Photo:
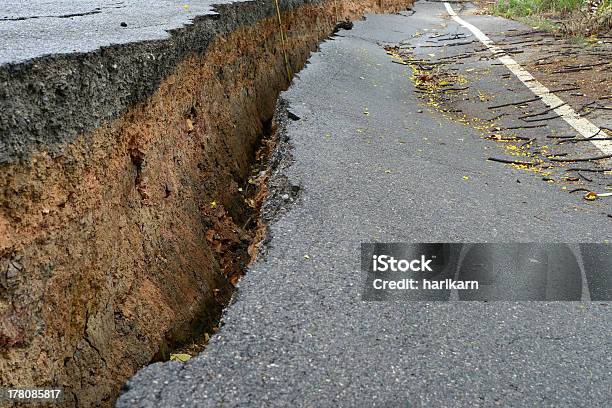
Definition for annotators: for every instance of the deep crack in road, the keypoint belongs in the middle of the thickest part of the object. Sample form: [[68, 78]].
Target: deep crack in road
[[378, 162]]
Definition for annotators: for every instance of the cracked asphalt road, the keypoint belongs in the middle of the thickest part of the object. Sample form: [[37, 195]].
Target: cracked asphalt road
[[36, 28], [375, 164]]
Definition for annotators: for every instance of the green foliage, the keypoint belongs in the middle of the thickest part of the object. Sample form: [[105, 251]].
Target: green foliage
[[523, 8], [574, 18], [539, 22]]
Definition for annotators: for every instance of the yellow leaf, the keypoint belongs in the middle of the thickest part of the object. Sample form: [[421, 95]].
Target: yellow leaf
[[590, 196], [180, 357], [213, 205]]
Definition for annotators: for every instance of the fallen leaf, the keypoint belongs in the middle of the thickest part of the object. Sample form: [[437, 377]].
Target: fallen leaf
[[180, 357], [590, 196]]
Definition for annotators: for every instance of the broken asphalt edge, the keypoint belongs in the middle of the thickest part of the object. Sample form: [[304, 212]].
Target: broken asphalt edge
[[45, 103]]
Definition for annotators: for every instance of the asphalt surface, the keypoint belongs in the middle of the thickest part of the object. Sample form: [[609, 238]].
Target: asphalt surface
[[41, 27], [375, 164], [66, 67]]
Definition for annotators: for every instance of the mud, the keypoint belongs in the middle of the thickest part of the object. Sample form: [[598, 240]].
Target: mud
[[114, 243]]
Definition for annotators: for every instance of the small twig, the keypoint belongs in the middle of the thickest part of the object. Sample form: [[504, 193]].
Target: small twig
[[585, 140], [507, 139], [586, 105], [545, 111], [455, 89], [596, 133], [497, 117], [561, 137], [537, 98], [565, 90], [248, 221], [526, 126], [520, 163], [541, 119], [583, 177], [579, 189], [590, 170], [579, 68], [528, 142], [607, 156]]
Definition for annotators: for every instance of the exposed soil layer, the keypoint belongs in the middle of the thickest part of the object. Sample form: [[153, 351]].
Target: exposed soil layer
[[113, 244]]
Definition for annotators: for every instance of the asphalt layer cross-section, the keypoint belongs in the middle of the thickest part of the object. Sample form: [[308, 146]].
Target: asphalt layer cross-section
[[31, 29], [299, 333]]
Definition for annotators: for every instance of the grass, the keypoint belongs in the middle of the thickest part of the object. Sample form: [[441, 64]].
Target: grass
[[524, 8], [569, 17], [538, 22]]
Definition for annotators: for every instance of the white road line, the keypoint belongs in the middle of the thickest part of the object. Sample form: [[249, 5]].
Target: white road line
[[582, 125]]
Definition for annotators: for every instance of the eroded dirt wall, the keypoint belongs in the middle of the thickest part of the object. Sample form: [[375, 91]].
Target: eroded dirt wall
[[106, 250]]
